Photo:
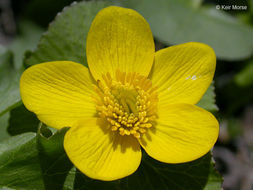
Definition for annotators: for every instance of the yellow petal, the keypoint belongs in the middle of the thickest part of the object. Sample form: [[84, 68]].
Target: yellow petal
[[59, 93], [119, 38], [183, 72], [183, 133], [100, 153]]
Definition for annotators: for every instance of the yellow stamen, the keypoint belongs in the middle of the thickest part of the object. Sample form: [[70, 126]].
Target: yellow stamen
[[128, 103]]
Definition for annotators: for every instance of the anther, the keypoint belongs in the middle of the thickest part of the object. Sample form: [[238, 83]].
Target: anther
[[128, 103]]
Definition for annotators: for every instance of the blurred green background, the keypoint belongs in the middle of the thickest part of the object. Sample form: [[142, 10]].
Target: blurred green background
[[229, 32]]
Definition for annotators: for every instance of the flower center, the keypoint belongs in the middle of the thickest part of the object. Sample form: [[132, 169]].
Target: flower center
[[128, 103]]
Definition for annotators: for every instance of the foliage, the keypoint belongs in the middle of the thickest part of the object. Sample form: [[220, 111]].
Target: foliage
[[245, 77], [66, 36], [9, 82], [179, 21]]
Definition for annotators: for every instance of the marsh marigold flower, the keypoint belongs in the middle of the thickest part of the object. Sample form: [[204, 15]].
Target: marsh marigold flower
[[129, 97]]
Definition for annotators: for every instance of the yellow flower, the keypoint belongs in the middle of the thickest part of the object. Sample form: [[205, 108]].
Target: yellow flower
[[130, 97]]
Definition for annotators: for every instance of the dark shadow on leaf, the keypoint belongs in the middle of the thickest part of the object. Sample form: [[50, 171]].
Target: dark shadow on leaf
[[21, 121], [54, 162]]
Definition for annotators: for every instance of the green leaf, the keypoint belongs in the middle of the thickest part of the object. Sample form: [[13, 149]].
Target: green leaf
[[214, 179], [3, 126], [38, 162], [66, 36], [9, 82], [208, 100], [53, 159], [6, 188], [251, 6], [189, 176], [245, 77], [19, 164], [22, 120], [175, 22], [69, 181], [27, 39]]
